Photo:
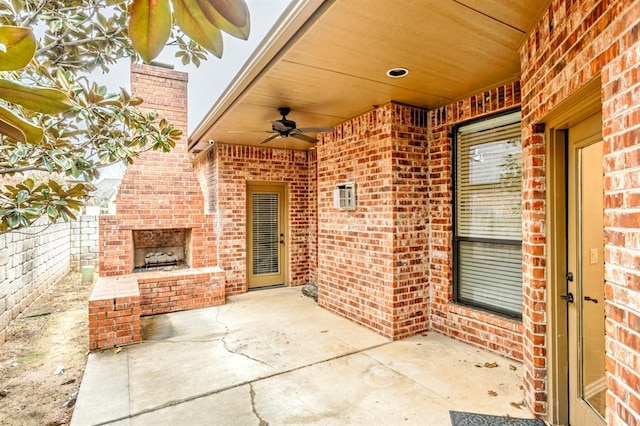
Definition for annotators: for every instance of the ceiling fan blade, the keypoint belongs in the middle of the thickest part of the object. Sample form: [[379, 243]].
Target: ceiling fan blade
[[270, 138], [251, 131], [278, 125], [316, 129], [303, 137]]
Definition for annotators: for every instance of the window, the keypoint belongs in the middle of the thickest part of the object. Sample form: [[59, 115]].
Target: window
[[488, 220]]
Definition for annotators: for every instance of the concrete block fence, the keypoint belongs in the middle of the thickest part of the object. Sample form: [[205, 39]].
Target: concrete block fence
[[84, 242], [34, 259]]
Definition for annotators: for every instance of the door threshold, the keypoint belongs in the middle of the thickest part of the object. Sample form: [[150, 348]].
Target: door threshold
[[266, 287]]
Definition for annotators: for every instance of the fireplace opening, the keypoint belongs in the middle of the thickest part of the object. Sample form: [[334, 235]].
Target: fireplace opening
[[161, 248]]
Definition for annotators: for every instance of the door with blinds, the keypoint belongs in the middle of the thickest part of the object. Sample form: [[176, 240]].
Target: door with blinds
[[488, 218], [266, 236]]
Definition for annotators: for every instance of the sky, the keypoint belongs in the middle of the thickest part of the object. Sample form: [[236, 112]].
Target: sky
[[207, 82]]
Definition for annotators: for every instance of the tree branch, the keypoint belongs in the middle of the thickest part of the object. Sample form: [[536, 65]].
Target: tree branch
[[22, 169], [34, 15]]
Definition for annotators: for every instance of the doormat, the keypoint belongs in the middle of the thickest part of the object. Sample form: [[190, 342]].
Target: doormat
[[460, 418]]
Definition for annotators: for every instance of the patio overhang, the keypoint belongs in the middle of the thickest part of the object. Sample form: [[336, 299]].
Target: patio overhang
[[328, 62]]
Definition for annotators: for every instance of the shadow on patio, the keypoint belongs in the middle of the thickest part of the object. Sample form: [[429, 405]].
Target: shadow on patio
[[274, 357]]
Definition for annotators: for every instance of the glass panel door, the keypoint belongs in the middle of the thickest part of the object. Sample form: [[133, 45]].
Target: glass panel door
[[585, 226], [591, 303]]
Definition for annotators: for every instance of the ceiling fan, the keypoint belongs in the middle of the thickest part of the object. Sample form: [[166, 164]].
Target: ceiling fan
[[284, 128]]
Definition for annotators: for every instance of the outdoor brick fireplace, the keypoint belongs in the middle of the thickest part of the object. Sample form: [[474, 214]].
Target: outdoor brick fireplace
[[160, 229], [160, 207]]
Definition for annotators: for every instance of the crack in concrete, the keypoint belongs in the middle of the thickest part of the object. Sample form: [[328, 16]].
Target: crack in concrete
[[252, 392], [225, 343], [234, 386]]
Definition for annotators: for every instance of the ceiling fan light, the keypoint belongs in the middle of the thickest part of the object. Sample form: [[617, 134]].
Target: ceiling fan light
[[397, 72]]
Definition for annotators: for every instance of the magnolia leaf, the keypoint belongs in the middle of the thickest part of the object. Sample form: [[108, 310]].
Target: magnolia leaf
[[149, 27], [234, 11], [12, 132], [46, 100], [78, 190], [18, 129], [22, 197], [17, 47], [52, 212], [29, 183], [55, 186], [210, 8], [195, 24]]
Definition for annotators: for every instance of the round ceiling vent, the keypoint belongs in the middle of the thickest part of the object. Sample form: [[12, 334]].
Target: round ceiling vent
[[397, 72]]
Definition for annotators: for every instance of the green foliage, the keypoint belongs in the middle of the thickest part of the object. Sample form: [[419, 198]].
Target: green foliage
[[54, 120], [26, 201]]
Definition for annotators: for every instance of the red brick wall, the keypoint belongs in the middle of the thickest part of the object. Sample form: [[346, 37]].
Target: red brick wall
[[471, 325], [371, 260], [159, 238], [114, 313], [410, 203], [573, 43], [159, 190], [235, 166], [207, 172], [312, 180], [180, 290]]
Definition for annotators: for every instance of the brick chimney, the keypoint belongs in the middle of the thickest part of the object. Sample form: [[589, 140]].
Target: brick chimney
[[159, 200]]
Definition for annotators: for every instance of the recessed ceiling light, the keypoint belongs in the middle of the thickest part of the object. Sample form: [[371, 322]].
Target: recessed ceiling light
[[397, 72]]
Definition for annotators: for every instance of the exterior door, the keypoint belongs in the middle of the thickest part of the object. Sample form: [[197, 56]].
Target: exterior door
[[266, 236], [585, 277]]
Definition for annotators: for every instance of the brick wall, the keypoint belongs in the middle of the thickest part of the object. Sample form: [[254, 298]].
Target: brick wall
[[159, 190], [573, 43], [234, 167], [31, 260], [312, 184], [159, 238], [207, 171], [180, 290], [371, 260], [114, 312], [474, 326]]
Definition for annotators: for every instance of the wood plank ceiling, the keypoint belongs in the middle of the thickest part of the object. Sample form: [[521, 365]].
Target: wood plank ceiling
[[335, 68]]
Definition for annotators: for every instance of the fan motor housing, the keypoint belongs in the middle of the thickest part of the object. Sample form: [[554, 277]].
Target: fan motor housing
[[289, 124]]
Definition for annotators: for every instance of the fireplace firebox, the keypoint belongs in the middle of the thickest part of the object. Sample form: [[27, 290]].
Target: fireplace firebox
[[160, 248]]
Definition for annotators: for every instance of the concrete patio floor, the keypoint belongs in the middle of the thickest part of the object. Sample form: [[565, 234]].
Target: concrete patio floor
[[274, 357]]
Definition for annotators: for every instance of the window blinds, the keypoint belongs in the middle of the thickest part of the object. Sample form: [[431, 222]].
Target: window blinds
[[265, 234], [488, 214]]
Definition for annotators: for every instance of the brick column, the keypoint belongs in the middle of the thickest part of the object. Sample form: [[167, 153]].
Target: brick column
[[372, 260]]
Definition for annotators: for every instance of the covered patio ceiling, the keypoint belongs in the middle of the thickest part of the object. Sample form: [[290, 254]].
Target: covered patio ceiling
[[328, 62]]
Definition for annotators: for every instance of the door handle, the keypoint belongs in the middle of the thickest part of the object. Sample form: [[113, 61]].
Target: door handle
[[567, 297], [570, 276], [281, 238], [589, 299]]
